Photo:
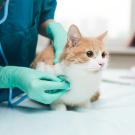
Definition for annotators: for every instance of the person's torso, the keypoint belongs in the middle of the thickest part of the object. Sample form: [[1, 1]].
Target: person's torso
[[18, 34]]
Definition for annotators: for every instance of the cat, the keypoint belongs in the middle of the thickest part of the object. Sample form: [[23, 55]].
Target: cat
[[81, 62]]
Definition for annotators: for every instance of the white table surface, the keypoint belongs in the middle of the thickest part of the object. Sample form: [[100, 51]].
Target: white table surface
[[113, 114]]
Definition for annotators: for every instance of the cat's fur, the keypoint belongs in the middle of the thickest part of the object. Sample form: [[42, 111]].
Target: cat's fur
[[81, 68]]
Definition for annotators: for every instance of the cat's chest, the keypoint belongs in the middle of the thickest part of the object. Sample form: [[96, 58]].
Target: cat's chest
[[84, 84], [83, 79]]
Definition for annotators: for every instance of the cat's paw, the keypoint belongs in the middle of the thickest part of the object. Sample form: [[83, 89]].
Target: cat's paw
[[58, 107]]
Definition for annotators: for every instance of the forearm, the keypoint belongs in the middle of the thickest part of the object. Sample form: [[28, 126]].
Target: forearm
[[44, 25]]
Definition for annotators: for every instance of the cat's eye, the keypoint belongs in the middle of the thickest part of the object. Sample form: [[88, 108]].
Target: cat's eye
[[90, 54], [103, 54]]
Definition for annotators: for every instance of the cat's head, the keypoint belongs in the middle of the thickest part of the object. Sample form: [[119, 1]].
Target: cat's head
[[88, 52]]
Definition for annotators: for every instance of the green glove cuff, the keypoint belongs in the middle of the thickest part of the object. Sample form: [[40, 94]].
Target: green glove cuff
[[58, 35], [5, 77], [53, 29]]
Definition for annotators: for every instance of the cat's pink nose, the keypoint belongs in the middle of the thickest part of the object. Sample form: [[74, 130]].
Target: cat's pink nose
[[101, 64]]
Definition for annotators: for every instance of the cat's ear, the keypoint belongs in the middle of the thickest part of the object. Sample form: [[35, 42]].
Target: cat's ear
[[102, 36], [74, 35]]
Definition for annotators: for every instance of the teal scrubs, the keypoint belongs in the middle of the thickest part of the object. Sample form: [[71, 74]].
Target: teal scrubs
[[19, 33]]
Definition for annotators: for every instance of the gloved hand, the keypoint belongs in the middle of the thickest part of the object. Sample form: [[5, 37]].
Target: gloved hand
[[36, 84], [58, 35]]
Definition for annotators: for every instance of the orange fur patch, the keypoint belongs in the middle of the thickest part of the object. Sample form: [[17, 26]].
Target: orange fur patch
[[73, 54], [47, 56], [95, 97], [77, 54]]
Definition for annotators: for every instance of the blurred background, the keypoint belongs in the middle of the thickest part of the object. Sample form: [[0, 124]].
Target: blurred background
[[94, 17]]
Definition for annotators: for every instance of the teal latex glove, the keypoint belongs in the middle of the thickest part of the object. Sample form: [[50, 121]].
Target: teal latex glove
[[36, 84], [58, 35]]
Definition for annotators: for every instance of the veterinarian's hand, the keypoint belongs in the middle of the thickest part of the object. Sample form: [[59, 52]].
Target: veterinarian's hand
[[36, 84], [58, 35]]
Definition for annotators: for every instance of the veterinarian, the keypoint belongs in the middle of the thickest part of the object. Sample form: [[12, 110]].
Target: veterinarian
[[20, 23]]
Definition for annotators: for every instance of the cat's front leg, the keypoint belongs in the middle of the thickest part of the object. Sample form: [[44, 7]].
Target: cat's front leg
[[57, 106]]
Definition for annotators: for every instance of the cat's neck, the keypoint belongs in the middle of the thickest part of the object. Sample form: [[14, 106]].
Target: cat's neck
[[63, 68]]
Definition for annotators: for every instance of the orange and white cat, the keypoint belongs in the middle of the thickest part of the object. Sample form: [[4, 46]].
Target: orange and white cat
[[81, 62]]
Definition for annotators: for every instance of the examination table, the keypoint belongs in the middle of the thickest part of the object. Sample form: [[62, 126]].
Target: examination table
[[112, 114]]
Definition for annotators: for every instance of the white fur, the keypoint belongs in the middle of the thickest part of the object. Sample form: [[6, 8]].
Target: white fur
[[84, 84], [84, 79]]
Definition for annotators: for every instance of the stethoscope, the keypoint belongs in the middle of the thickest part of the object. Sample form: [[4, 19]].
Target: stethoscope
[[11, 103]]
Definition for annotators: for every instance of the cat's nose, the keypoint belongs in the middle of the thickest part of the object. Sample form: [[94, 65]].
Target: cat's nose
[[101, 64]]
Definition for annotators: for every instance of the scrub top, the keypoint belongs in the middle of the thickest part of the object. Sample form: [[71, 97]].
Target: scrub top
[[19, 33]]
